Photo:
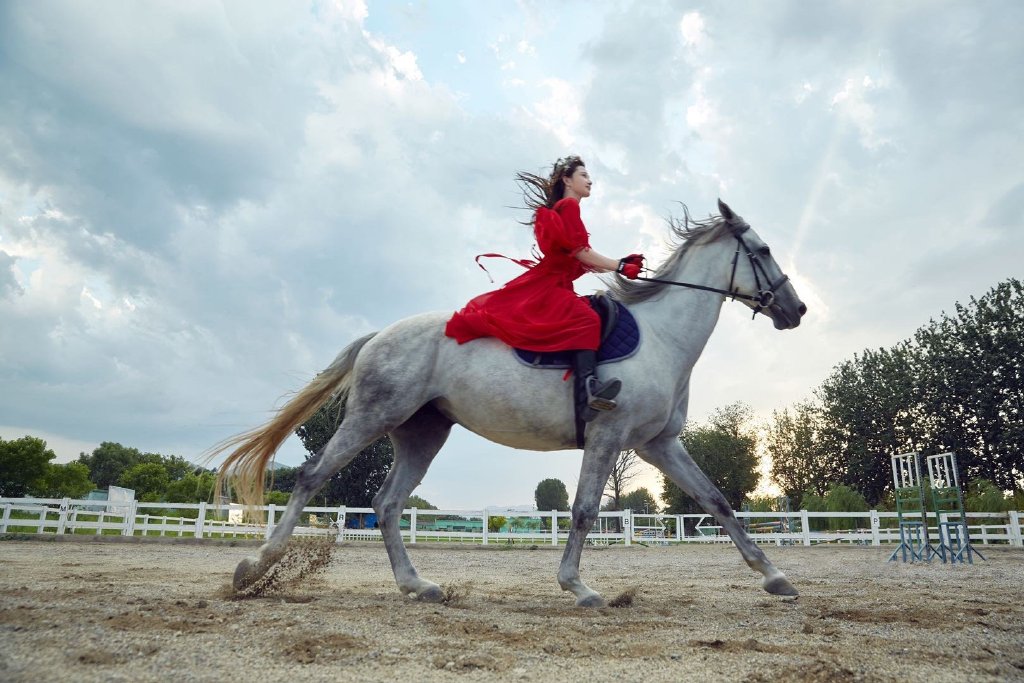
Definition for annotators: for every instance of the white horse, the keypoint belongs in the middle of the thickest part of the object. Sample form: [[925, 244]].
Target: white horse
[[413, 383]]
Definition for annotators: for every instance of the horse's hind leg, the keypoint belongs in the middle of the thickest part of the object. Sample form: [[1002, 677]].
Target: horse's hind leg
[[670, 457], [352, 437], [416, 442]]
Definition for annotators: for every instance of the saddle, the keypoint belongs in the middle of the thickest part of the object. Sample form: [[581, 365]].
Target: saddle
[[620, 339]]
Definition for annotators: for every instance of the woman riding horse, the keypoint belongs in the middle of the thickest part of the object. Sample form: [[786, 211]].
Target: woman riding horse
[[539, 310]]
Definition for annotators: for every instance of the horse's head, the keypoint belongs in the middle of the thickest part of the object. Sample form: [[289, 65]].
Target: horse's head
[[757, 279]]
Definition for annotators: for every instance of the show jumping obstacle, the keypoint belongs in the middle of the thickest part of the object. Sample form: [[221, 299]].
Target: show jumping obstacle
[[947, 505]]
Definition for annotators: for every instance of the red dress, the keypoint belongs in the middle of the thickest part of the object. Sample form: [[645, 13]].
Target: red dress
[[539, 310]]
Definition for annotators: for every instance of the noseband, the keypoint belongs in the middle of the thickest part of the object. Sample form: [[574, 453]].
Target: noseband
[[765, 296]]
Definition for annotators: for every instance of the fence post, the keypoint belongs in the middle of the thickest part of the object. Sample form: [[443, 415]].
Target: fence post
[[201, 519], [1015, 531], [554, 527], [5, 518], [805, 527], [627, 527], [43, 512], [876, 538], [129, 522], [65, 505], [485, 520], [341, 525], [412, 526], [271, 513]]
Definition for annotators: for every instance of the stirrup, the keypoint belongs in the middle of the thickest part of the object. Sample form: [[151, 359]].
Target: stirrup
[[601, 395]]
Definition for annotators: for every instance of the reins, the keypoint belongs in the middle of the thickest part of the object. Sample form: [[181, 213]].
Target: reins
[[764, 297]]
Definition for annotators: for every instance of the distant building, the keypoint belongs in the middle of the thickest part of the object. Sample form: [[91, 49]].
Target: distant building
[[113, 494]]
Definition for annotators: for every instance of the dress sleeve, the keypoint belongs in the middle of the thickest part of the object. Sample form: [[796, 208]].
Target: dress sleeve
[[574, 236]]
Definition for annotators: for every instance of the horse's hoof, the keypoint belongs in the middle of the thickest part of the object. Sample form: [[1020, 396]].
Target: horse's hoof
[[431, 593], [594, 600], [780, 585], [245, 575]]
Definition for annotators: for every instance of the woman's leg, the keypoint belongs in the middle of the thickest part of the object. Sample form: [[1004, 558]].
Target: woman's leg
[[593, 394]]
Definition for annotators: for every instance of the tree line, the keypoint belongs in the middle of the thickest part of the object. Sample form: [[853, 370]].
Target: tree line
[[957, 385], [26, 469]]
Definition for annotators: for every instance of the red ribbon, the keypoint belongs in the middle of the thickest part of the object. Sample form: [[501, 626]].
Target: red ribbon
[[524, 262]]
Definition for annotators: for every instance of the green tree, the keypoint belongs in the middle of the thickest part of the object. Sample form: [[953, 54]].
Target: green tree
[[176, 466], [799, 461], [765, 503], [64, 481], [149, 480], [870, 411], [419, 503], [984, 496], [23, 463], [356, 484], [109, 461], [640, 501], [495, 523], [194, 487], [973, 384], [551, 495], [840, 498], [282, 478], [276, 498], [725, 449]]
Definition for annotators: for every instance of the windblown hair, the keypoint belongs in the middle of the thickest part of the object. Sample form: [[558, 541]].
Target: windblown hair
[[541, 192], [686, 232]]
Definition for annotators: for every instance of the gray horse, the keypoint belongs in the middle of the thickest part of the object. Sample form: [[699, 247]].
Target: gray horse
[[412, 383]]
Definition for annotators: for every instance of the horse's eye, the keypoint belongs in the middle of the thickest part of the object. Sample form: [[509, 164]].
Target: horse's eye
[[764, 251]]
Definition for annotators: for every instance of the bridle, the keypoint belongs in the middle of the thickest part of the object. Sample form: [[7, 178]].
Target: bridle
[[765, 296]]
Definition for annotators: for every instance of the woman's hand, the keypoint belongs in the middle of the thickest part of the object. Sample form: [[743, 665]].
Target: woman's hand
[[630, 266]]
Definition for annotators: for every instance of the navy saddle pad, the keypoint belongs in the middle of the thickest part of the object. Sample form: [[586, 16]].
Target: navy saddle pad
[[620, 343]]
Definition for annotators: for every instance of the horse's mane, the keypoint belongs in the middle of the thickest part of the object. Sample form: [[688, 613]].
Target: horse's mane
[[686, 232]]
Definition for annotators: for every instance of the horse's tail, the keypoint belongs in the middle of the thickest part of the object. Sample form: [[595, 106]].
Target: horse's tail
[[254, 449]]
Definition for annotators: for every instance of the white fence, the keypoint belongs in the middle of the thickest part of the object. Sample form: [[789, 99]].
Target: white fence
[[201, 520]]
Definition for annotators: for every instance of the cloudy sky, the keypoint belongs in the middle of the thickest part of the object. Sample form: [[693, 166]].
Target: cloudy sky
[[202, 202]]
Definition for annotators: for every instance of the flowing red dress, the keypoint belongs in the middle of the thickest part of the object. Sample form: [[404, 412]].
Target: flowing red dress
[[539, 310]]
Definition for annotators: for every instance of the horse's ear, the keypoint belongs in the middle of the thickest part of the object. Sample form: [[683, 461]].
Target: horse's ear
[[726, 212]]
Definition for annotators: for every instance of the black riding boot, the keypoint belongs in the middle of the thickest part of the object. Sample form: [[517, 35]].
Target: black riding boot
[[592, 394]]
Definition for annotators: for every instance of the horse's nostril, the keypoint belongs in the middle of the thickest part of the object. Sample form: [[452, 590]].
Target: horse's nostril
[[802, 308]]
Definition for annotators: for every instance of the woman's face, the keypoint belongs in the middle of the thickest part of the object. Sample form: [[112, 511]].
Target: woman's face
[[578, 184]]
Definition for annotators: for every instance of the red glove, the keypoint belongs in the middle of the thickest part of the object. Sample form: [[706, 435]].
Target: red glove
[[631, 266]]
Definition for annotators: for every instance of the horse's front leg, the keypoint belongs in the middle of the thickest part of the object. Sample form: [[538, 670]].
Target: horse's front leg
[[670, 457], [597, 466]]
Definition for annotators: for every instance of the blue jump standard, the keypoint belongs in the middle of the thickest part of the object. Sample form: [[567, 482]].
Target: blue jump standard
[[915, 544], [954, 537]]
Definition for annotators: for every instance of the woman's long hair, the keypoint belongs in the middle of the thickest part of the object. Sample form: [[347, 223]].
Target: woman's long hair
[[541, 192]]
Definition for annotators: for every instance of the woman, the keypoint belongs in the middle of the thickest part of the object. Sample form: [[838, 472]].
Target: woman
[[539, 310]]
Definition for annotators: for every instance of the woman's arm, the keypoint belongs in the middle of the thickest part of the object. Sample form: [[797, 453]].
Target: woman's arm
[[596, 262]]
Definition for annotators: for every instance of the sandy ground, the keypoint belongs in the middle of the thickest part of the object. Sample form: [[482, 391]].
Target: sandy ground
[[139, 611]]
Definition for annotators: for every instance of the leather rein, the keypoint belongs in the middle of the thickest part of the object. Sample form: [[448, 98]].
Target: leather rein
[[764, 298]]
